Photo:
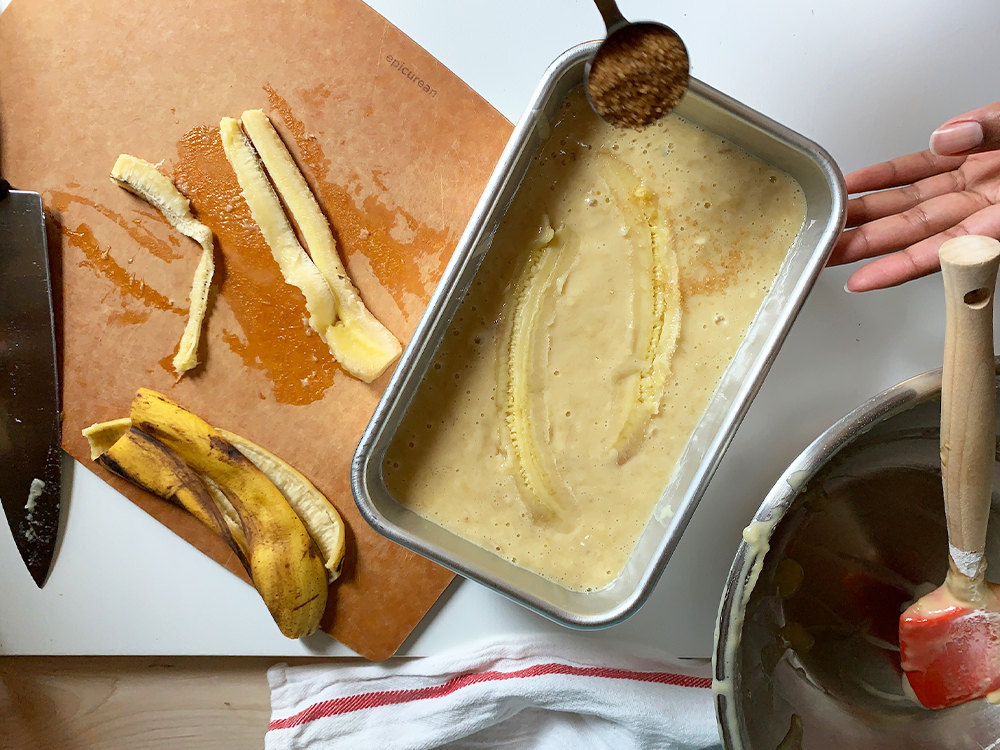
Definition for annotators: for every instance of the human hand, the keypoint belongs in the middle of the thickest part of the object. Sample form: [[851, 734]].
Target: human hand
[[921, 200]]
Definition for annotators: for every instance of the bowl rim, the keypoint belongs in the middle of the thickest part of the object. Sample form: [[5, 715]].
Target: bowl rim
[[748, 560]]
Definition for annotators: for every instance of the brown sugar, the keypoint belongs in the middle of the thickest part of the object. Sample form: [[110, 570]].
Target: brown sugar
[[639, 74]]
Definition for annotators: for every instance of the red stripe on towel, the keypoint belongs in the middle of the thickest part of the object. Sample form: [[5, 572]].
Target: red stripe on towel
[[350, 703]]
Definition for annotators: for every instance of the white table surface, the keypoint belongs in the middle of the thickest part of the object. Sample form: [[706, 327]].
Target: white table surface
[[867, 80]]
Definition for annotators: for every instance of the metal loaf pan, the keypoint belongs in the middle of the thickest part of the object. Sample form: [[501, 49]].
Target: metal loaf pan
[[822, 184]]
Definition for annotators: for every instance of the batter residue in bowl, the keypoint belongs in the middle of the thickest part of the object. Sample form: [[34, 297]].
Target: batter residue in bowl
[[617, 290]]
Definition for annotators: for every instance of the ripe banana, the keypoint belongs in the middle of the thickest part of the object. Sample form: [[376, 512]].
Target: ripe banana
[[521, 371], [358, 341], [285, 565], [662, 322], [144, 180]]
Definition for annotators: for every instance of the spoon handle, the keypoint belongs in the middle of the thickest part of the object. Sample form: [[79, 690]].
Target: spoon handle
[[968, 397], [613, 17]]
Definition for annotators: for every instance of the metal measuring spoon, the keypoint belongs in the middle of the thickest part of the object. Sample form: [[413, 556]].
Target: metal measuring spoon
[[639, 73]]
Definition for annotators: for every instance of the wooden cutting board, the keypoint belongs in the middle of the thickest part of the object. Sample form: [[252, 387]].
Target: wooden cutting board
[[396, 148]]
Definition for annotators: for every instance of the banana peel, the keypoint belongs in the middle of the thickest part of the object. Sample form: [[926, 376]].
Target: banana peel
[[284, 563], [102, 438], [357, 339], [229, 514], [175, 454], [144, 180], [148, 464], [102, 435], [321, 519]]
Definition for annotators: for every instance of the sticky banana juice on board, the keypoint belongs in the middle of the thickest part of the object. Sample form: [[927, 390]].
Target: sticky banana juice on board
[[617, 289]]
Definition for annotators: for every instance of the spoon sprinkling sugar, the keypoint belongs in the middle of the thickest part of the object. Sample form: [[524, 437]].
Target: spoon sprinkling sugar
[[639, 73]]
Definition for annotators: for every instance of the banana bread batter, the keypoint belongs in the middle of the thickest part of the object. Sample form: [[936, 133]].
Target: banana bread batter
[[617, 290]]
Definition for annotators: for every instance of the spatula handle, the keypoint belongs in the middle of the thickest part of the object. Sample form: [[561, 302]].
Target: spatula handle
[[968, 396]]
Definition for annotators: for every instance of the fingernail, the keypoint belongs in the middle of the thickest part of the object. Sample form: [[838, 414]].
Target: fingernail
[[956, 137]]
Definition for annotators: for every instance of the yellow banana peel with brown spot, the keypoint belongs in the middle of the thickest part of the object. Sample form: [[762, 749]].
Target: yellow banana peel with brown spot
[[288, 536]]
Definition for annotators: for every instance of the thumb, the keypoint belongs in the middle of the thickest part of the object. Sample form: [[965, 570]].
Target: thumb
[[969, 133]]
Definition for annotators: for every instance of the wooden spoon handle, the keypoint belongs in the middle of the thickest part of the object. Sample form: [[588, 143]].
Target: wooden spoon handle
[[968, 396]]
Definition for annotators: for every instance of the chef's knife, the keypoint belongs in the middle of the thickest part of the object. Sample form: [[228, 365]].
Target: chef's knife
[[30, 424]]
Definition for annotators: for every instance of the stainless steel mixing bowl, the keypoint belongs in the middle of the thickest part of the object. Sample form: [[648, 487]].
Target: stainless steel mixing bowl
[[806, 649]]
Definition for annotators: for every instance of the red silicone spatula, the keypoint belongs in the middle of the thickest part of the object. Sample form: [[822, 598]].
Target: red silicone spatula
[[950, 639]]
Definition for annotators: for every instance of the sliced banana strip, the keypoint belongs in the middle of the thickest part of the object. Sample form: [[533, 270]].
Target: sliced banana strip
[[321, 519], [522, 366], [362, 345], [662, 322], [296, 266], [143, 179], [297, 197]]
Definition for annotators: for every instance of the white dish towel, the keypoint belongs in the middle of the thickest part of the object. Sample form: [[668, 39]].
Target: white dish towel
[[551, 693]]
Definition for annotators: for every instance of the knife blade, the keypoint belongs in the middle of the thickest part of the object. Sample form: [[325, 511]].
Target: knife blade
[[30, 416]]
